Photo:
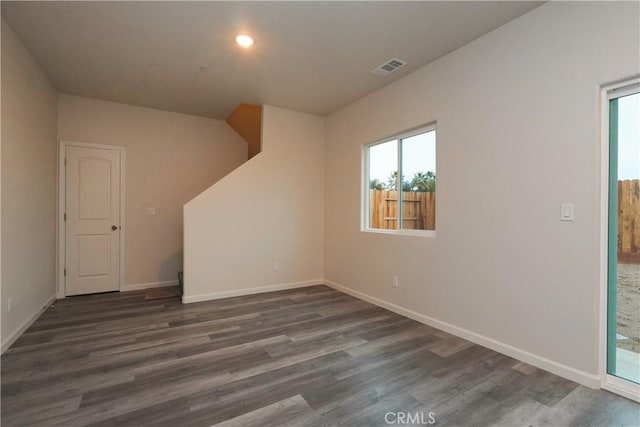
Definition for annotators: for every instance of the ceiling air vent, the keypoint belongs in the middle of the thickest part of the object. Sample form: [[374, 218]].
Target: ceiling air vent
[[388, 67]]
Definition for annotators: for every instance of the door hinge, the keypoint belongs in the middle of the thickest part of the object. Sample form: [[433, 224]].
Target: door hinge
[[65, 216], [65, 272], [65, 161]]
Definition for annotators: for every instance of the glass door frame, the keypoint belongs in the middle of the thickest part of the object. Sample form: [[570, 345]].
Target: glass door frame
[[610, 382]]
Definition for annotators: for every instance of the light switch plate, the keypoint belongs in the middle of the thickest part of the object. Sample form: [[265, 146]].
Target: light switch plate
[[566, 212], [151, 211]]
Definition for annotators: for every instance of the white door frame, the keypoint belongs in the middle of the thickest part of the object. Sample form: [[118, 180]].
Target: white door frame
[[609, 382], [60, 286]]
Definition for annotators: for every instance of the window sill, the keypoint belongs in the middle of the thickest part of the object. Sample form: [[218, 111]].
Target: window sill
[[416, 233]]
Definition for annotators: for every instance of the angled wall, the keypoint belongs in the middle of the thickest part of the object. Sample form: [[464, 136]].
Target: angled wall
[[246, 120], [270, 210]]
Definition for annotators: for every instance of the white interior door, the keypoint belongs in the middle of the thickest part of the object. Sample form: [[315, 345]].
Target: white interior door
[[92, 240]]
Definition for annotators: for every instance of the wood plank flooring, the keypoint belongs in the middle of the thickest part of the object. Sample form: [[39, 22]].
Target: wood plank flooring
[[305, 357]]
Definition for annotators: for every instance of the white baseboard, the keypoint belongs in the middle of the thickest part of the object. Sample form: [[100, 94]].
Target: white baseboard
[[186, 299], [14, 336], [139, 286], [581, 377]]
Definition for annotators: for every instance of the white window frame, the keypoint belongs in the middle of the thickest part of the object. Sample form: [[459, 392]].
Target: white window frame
[[609, 382], [364, 185]]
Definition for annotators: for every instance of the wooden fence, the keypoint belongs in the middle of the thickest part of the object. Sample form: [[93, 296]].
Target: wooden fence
[[629, 220], [418, 210]]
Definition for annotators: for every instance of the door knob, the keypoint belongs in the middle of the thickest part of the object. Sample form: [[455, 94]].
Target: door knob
[[114, 227]]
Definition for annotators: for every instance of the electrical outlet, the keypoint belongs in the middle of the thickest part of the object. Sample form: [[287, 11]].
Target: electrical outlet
[[276, 266], [9, 303], [394, 281]]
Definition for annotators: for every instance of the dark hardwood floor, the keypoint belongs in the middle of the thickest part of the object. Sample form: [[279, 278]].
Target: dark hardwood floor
[[305, 357]]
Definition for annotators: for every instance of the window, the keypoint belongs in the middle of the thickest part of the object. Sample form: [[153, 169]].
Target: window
[[400, 183]]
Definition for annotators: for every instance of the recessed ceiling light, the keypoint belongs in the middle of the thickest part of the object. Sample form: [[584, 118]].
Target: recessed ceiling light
[[244, 40]]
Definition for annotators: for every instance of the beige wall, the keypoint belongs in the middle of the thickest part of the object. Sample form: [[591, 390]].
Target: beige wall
[[170, 158], [269, 210], [28, 186], [517, 116]]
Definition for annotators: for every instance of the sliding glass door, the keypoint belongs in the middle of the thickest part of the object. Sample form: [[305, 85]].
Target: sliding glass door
[[623, 260]]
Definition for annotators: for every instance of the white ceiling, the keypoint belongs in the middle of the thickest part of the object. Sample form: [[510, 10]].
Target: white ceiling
[[309, 56]]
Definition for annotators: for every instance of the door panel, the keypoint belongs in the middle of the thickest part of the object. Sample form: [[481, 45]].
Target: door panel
[[92, 212], [95, 188], [623, 293], [94, 255]]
